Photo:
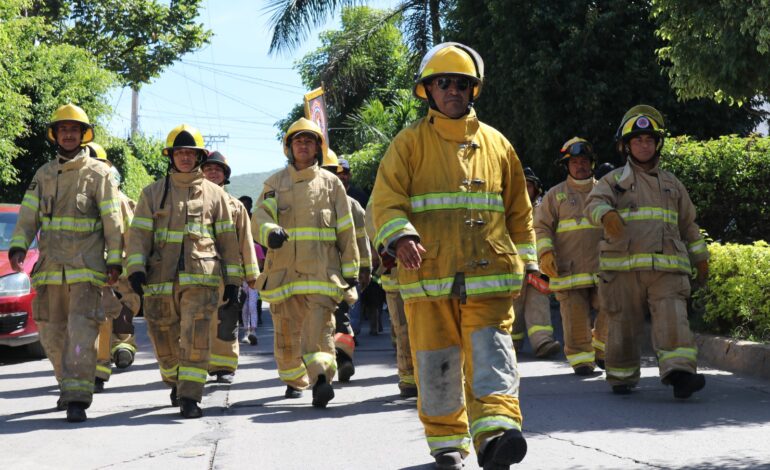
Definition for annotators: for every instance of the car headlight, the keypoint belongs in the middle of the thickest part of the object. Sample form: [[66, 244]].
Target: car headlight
[[14, 284]]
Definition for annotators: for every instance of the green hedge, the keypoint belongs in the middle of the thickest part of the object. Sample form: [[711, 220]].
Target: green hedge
[[736, 299], [728, 180]]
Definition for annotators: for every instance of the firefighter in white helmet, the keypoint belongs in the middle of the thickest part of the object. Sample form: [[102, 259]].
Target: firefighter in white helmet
[[450, 203], [646, 255], [304, 218], [181, 244], [224, 352], [74, 203]]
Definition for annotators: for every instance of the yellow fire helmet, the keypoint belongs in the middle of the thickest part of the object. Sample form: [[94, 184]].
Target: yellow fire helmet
[[70, 112], [450, 58], [574, 147], [184, 136], [331, 160], [97, 151], [640, 119], [300, 126]]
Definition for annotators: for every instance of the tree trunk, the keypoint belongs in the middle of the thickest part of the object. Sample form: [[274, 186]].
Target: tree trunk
[[435, 20]]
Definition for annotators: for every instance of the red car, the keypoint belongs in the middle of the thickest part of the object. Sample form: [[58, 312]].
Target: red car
[[17, 328]]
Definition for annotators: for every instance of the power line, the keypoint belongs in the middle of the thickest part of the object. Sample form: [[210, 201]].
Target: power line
[[236, 66], [254, 80]]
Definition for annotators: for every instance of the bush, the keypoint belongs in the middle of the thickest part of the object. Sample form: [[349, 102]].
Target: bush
[[134, 176], [729, 182], [736, 299]]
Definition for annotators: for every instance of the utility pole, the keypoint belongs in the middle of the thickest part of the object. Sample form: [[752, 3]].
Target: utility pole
[[210, 140], [134, 111]]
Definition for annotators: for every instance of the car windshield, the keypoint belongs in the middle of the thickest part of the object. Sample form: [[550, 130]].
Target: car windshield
[[7, 224]]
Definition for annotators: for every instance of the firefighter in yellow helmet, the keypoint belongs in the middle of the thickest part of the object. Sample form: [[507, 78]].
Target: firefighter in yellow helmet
[[650, 242], [532, 309], [181, 244], [566, 242], [344, 343], [224, 338], [116, 342], [450, 203], [304, 218], [74, 204]]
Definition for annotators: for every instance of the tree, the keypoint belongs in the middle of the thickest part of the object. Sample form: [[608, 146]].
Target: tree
[[293, 20], [717, 50], [559, 69], [375, 70], [136, 39]]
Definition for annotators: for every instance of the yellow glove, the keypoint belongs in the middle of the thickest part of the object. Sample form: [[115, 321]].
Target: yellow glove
[[548, 264], [613, 224], [703, 270]]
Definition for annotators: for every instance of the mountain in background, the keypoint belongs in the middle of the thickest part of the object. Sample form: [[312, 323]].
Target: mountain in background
[[249, 184]]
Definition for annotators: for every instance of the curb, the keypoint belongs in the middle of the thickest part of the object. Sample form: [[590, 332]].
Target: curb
[[742, 357]]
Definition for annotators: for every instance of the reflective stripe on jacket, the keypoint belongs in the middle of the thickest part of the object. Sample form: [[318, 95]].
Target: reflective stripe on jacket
[[362, 240], [660, 230], [312, 207], [562, 228], [242, 224], [191, 238], [76, 207], [457, 185]]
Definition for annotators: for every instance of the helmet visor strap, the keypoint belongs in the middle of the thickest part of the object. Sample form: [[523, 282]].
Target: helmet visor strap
[[462, 83]]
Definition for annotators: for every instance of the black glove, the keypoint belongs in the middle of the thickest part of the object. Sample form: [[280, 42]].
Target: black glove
[[276, 238], [124, 324], [231, 295], [227, 330], [137, 280], [352, 282]]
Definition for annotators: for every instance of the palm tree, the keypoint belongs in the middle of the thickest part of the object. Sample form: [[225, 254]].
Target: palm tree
[[293, 20]]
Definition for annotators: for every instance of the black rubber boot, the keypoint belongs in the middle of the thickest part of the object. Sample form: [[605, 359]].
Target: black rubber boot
[[345, 367], [189, 408], [584, 370], [322, 392], [686, 383], [76, 412], [292, 392], [549, 349], [123, 358], [60, 405], [98, 385], [450, 460], [621, 389], [407, 391], [600, 364], [504, 451], [174, 400], [225, 376]]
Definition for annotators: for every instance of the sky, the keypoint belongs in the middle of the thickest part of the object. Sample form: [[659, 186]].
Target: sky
[[230, 87]]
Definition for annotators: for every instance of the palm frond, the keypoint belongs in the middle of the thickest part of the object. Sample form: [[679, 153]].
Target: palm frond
[[293, 20]]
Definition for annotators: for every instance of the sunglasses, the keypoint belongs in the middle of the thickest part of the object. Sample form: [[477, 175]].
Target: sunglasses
[[462, 83]]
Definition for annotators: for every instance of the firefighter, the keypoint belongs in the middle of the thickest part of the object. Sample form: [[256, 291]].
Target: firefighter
[[224, 354], [450, 203], [181, 243], [74, 202], [566, 242], [650, 242], [304, 218], [344, 342], [407, 387], [532, 309], [116, 341]]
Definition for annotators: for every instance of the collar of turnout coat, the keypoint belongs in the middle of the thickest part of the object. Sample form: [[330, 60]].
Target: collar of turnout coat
[[454, 130], [185, 180]]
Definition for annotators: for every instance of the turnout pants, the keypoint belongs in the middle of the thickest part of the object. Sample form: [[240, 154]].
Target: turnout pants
[[456, 345], [403, 349], [628, 296], [111, 306], [304, 339], [68, 318], [179, 326], [532, 313], [582, 344], [224, 354]]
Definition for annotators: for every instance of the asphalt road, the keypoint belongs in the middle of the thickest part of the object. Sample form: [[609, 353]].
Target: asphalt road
[[570, 422]]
